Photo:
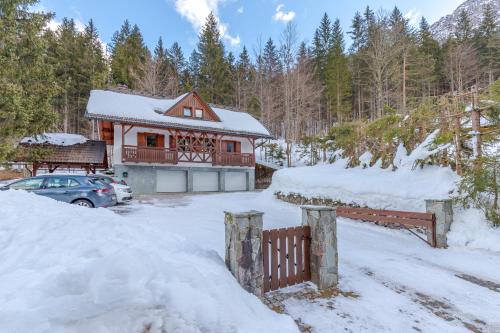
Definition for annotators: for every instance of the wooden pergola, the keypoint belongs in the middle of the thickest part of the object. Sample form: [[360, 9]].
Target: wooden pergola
[[89, 156]]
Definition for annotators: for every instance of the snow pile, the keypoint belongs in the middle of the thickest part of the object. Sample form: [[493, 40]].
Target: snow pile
[[374, 187], [64, 268], [60, 139], [421, 152], [371, 187], [471, 228]]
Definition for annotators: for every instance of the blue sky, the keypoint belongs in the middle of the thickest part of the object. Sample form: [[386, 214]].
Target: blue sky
[[242, 22]]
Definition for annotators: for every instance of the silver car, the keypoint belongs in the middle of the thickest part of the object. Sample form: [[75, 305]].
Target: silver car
[[79, 190]]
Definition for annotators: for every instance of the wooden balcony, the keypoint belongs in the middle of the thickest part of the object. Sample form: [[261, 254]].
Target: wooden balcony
[[136, 154], [234, 159], [148, 155]]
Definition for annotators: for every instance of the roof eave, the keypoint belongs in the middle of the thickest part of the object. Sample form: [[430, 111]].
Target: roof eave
[[176, 126]]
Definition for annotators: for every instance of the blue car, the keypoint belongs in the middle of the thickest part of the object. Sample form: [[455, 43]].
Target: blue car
[[79, 190]]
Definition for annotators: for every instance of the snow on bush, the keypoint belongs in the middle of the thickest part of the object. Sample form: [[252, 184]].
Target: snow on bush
[[64, 268], [61, 139]]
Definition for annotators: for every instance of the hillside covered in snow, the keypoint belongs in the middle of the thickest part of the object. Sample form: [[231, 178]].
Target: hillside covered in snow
[[445, 26]]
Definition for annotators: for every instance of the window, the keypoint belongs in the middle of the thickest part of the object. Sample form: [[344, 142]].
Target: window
[[230, 147], [151, 140], [27, 184], [61, 182], [187, 112], [198, 113]]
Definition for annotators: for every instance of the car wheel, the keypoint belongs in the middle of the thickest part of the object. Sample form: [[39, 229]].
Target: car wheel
[[83, 203]]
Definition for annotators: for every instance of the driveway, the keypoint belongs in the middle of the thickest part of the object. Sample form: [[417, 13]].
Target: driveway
[[389, 280]]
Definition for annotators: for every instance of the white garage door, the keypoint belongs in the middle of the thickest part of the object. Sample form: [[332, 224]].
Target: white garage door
[[171, 181], [205, 181], [236, 181]]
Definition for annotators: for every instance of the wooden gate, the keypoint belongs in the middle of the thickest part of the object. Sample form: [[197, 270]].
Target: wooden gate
[[405, 219], [286, 254]]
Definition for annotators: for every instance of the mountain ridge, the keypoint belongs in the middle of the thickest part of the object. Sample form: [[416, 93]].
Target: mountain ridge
[[445, 26]]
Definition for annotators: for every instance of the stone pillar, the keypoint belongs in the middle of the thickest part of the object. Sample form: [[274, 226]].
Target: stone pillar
[[324, 256], [443, 210], [244, 249]]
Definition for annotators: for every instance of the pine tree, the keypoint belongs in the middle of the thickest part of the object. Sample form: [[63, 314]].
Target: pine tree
[[27, 78], [487, 41], [243, 80], [214, 71], [322, 45], [338, 79], [193, 72], [463, 29], [402, 36], [178, 63], [358, 35], [429, 61], [271, 61], [94, 60], [128, 52]]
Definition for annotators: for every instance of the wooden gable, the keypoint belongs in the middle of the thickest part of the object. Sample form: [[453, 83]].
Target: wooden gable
[[193, 102]]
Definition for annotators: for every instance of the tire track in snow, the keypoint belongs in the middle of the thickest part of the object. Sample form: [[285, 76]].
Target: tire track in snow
[[441, 308]]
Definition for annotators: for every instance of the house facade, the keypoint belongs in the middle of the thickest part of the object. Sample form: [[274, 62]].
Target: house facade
[[176, 145]]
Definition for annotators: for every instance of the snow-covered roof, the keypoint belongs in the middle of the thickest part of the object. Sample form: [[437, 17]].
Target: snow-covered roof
[[110, 105], [60, 139]]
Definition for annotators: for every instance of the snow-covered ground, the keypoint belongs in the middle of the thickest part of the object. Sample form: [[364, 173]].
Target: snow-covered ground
[[406, 188], [158, 263], [64, 268], [402, 283]]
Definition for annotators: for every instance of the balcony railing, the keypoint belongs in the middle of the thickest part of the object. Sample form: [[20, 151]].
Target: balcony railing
[[234, 159], [149, 155], [171, 156]]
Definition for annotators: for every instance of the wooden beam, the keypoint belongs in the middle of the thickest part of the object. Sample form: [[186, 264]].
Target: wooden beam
[[131, 126]]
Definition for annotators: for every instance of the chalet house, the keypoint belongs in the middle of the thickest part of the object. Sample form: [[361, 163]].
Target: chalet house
[[176, 145]]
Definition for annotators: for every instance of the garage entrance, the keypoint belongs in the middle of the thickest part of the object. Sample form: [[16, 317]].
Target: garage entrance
[[206, 181], [169, 181]]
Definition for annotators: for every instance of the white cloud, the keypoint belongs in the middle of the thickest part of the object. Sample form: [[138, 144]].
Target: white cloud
[[196, 12], [283, 16], [54, 25], [240, 10], [413, 16]]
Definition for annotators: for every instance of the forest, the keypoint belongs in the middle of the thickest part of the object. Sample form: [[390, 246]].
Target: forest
[[366, 89], [295, 88]]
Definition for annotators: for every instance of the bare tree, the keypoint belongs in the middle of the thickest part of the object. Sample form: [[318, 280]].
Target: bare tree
[[380, 57]]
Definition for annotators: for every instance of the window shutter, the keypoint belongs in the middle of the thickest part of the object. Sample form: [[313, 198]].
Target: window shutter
[[160, 140], [237, 147], [171, 142], [141, 140]]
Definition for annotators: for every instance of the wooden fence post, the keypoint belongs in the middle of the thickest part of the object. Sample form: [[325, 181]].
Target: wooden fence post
[[443, 212], [324, 255], [244, 249]]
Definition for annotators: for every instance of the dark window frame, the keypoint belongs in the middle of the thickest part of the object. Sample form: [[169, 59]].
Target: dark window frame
[[154, 140]]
